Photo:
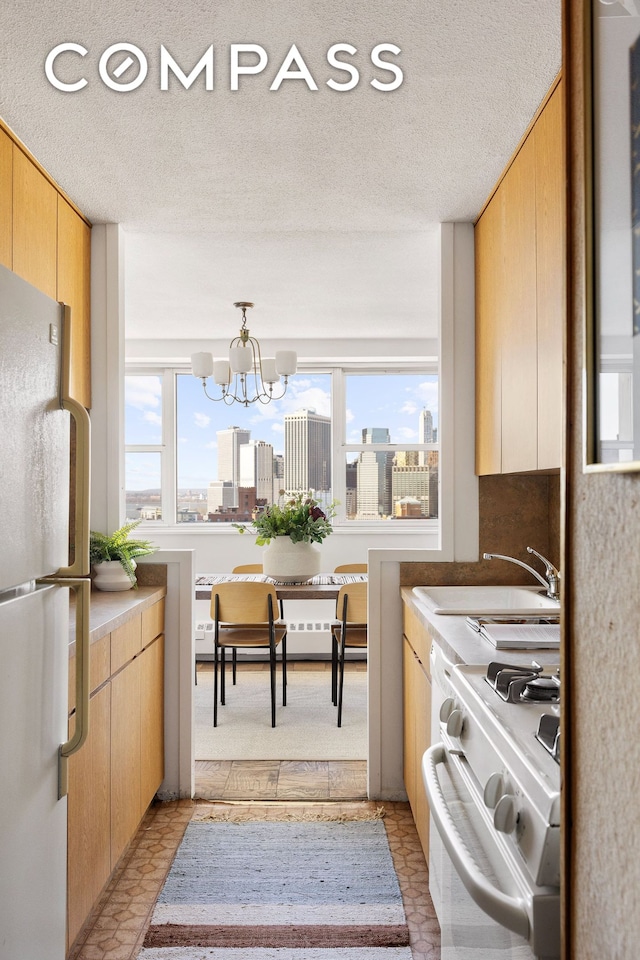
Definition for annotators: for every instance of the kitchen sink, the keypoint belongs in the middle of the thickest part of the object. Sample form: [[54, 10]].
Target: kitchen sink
[[492, 600]]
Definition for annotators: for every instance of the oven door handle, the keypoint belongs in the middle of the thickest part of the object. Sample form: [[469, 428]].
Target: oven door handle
[[509, 912]]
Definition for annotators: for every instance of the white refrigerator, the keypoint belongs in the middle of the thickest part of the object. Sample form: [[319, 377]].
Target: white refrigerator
[[36, 577]]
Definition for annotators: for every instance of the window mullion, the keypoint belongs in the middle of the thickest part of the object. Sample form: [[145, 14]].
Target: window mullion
[[338, 428], [169, 491]]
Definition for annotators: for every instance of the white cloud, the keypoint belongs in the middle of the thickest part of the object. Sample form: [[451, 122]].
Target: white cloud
[[349, 415], [152, 417], [142, 392], [201, 420], [407, 434], [409, 407], [277, 427], [183, 440], [212, 445]]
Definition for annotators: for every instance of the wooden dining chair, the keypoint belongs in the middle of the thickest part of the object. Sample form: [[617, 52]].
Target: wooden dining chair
[[351, 568], [349, 630], [245, 615], [248, 568]]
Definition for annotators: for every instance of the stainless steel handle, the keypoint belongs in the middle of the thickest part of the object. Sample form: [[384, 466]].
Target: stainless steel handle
[[82, 588], [80, 566]]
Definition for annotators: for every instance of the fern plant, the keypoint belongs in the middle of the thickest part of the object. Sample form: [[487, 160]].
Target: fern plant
[[119, 546]]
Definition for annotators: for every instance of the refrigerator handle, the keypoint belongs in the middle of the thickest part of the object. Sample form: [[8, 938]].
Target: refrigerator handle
[[80, 566], [82, 587]]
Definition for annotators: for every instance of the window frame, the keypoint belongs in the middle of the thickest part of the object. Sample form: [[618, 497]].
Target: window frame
[[338, 369]]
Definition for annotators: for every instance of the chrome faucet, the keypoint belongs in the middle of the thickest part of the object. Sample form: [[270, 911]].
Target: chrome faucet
[[551, 579]]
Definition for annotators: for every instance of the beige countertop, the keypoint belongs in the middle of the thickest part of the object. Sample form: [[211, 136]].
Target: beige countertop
[[109, 610], [461, 644]]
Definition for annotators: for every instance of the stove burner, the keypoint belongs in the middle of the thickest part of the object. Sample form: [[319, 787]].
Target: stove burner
[[542, 689], [518, 684], [549, 734]]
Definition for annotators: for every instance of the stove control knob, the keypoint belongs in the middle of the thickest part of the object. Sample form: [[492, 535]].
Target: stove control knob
[[455, 723], [505, 815], [446, 709], [494, 789]]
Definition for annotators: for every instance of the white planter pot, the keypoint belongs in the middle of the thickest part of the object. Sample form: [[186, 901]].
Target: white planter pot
[[111, 575], [291, 562]]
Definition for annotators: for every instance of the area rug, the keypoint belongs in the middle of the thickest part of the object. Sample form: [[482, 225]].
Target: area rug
[[306, 729], [290, 891]]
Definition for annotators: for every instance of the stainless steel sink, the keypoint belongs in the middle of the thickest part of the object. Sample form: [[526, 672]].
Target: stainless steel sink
[[483, 600]]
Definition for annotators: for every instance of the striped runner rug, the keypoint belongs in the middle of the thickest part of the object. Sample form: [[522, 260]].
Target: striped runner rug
[[281, 890]]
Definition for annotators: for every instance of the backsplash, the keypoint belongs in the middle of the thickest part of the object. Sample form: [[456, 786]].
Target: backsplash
[[516, 511]]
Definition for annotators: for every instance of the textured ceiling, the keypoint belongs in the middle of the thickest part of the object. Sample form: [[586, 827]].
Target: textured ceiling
[[320, 206]]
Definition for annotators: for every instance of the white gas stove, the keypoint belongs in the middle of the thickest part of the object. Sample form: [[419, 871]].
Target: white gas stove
[[494, 794]]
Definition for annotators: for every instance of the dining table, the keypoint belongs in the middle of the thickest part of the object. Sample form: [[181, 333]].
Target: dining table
[[324, 586]]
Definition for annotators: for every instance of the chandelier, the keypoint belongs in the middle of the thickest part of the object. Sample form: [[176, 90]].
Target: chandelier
[[245, 377]]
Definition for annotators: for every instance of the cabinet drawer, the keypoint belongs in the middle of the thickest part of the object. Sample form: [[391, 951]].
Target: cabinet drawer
[[152, 622], [99, 668], [418, 636], [126, 642]]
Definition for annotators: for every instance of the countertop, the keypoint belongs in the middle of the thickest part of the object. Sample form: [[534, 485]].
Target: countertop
[[461, 644], [109, 610]]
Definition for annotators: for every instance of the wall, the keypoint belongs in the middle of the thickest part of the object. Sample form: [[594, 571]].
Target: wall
[[602, 655]]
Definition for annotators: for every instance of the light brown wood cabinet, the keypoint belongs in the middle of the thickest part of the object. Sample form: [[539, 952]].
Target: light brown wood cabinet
[[48, 243], [114, 777], [74, 288], [6, 200], [417, 719], [520, 308], [35, 222]]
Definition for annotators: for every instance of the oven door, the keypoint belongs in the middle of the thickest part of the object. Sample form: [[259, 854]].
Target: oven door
[[487, 907]]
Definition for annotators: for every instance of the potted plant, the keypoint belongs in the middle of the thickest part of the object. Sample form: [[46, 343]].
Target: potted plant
[[289, 533], [113, 557]]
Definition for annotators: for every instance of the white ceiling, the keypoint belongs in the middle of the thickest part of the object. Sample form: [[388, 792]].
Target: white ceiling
[[322, 207]]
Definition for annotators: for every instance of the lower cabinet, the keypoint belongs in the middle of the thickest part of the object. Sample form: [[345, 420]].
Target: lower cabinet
[[114, 777], [417, 724], [89, 814]]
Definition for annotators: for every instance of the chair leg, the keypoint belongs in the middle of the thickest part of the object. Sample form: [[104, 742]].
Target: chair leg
[[334, 669], [234, 661], [222, 672], [284, 670], [272, 670], [215, 685], [340, 681]]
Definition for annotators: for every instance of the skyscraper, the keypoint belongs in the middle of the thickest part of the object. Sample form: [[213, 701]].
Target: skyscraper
[[425, 433], [256, 468], [307, 451], [229, 444], [374, 476]]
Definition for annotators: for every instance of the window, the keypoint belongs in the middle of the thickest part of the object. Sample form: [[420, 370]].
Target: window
[[143, 446], [366, 438]]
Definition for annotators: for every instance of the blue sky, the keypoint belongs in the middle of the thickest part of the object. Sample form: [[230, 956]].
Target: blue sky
[[392, 401]]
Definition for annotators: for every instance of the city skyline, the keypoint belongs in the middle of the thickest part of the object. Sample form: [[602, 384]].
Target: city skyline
[[368, 406]]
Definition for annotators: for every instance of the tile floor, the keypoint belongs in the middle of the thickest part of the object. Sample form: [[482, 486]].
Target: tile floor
[[262, 790]]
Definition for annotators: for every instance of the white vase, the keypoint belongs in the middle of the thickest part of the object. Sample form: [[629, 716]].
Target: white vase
[[111, 575], [291, 562]]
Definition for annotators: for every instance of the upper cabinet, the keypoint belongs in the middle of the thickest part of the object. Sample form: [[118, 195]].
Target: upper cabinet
[[74, 270], [520, 306], [6, 201], [48, 243]]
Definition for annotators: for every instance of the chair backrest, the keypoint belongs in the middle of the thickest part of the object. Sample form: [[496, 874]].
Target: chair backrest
[[248, 568], [244, 602], [356, 598], [351, 568]]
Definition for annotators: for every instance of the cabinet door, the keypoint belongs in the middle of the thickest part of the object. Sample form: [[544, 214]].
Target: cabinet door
[[6, 200], [551, 270], [35, 216], [126, 807], [74, 270], [151, 721], [519, 333], [89, 815], [409, 714], [423, 741], [489, 270]]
